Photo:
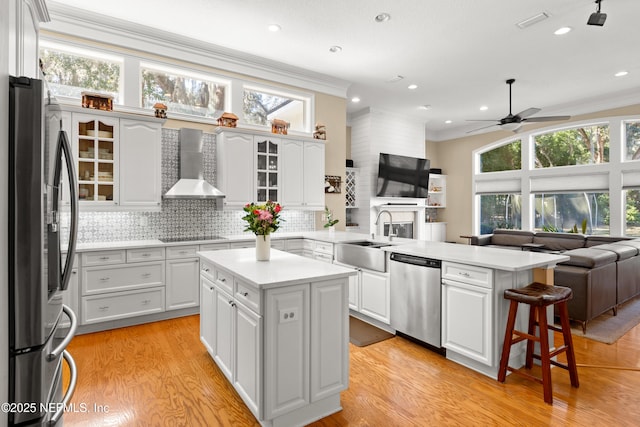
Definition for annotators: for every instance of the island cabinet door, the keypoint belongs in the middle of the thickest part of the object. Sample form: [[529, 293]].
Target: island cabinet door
[[286, 352], [467, 320], [248, 358], [182, 283], [207, 315], [375, 295], [329, 338], [224, 326]]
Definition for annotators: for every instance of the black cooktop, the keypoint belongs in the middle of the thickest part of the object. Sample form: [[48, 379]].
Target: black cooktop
[[190, 239]]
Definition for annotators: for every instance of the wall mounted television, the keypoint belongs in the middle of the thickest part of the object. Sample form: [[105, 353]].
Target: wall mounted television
[[402, 176]]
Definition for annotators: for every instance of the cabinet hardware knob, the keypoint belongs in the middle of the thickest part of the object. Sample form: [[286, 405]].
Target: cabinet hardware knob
[[146, 274], [224, 279], [464, 274], [104, 258], [104, 279], [146, 302], [146, 254], [206, 270], [103, 308], [244, 294]]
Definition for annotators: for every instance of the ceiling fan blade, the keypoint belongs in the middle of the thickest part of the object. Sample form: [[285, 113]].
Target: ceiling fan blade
[[528, 112], [547, 119], [484, 127], [483, 120]]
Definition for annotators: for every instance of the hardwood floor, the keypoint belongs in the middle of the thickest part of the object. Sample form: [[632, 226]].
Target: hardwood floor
[[159, 374]]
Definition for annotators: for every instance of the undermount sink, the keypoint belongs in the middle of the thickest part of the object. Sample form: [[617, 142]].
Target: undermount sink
[[363, 254]]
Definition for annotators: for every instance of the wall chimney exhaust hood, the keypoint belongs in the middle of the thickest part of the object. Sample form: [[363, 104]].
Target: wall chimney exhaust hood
[[191, 184]]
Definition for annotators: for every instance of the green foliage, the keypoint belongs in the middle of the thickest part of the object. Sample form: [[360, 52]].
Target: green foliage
[[505, 157], [578, 146], [329, 218], [633, 140], [551, 229]]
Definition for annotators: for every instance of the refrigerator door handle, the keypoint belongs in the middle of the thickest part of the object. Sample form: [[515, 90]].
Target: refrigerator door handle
[[73, 371], [73, 192], [72, 331]]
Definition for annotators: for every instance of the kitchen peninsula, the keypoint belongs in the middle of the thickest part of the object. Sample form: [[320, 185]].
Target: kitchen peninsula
[[474, 312], [278, 330]]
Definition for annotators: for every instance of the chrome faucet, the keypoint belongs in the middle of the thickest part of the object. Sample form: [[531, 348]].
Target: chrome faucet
[[390, 223]]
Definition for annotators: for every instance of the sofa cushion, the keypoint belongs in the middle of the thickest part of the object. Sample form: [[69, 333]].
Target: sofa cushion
[[600, 240], [559, 241], [635, 243], [502, 237], [622, 251], [590, 257]]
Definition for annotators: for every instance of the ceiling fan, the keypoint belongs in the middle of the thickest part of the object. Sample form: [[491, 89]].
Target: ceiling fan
[[514, 122]]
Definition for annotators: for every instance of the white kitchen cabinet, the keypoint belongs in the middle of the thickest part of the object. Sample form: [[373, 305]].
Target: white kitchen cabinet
[[303, 174], [375, 295], [318, 249], [24, 28], [182, 283], [248, 358], [225, 339], [467, 310], [267, 174], [235, 168], [207, 315], [140, 163], [435, 231], [118, 159]]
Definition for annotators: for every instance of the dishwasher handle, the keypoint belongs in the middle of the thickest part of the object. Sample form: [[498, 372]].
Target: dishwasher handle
[[415, 260]]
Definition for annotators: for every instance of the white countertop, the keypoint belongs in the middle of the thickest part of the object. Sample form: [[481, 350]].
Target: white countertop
[[323, 235], [499, 259], [283, 269]]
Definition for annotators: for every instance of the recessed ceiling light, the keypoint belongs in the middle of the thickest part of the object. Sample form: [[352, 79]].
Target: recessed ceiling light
[[448, 121], [412, 87], [484, 108], [335, 49], [424, 107], [274, 28], [562, 30], [355, 99], [383, 17], [532, 20], [621, 73]]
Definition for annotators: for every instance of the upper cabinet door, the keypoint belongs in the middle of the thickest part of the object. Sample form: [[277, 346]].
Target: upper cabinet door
[[235, 168], [292, 173], [314, 175], [140, 161], [267, 169]]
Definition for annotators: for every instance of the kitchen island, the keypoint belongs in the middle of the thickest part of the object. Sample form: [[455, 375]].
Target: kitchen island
[[473, 309], [278, 330]]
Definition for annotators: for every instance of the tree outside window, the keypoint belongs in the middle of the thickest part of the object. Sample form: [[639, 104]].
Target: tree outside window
[[504, 158], [632, 213], [579, 146], [632, 139], [261, 107]]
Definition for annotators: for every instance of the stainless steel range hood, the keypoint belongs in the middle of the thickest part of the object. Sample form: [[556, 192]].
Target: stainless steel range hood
[[191, 184]]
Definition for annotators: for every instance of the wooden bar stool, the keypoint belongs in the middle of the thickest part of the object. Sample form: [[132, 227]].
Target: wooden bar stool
[[539, 297]]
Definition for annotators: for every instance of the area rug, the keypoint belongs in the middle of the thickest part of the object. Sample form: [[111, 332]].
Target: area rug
[[608, 328], [363, 334]]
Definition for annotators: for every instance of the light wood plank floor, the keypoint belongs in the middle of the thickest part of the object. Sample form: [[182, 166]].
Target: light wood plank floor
[[159, 374]]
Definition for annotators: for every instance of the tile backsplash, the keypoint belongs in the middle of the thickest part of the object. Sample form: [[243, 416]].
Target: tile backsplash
[[178, 218]]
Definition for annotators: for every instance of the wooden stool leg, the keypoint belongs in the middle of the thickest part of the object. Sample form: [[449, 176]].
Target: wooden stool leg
[[568, 342], [508, 337], [531, 331], [544, 355]]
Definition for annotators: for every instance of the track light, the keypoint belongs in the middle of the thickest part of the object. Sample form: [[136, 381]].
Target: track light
[[597, 18]]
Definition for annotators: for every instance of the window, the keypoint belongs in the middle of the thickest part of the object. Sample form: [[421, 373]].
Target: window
[[261, 106], [504, 158], [632, 138], [632, 212], [71, 71], [570, 212], [500, 211], [579, 146], [183, 92]]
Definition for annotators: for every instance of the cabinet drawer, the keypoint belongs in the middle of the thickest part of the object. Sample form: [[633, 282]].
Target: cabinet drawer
[[119, 305], [207, 270], [308, 244], [145, 254], [97, 280], [277, 244], [174, 252], [324, 247], [214, 246], [247, 244], [323, 257], [249, 296], [103, 258], [472, 275], [224, 280]]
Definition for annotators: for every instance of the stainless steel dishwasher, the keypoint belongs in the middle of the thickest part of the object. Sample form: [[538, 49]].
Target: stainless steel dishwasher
[[415, 297]]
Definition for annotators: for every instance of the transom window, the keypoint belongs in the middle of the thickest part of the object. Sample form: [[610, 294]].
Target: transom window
[[71, 71], [578, 146], [632, 139], [504, 158], [261, 106], [183, 92]]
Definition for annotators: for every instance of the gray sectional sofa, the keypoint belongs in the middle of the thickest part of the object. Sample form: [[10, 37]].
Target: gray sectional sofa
[[603, 271]]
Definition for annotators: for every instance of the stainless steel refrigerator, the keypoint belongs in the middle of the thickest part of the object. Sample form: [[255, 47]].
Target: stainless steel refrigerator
[[40, 259]]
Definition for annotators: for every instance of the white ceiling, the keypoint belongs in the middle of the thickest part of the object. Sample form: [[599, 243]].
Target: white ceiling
[[458, 52]]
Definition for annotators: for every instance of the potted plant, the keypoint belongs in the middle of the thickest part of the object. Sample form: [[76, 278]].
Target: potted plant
[[329, 221]]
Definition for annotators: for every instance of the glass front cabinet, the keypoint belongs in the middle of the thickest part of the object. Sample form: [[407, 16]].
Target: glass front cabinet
[[97, 142], [267, 169]]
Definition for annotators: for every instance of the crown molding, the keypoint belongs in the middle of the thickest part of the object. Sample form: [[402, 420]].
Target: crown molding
[[103, 29]]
